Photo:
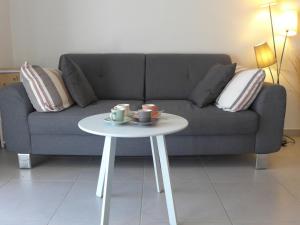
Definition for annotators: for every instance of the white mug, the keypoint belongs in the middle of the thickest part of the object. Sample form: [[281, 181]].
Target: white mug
[[117, 114], [126, 107]]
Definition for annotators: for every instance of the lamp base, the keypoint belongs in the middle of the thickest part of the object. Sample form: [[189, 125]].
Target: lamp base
[[287, 140]]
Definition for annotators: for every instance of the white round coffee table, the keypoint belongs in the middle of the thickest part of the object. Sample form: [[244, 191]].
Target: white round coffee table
[[168, 124]]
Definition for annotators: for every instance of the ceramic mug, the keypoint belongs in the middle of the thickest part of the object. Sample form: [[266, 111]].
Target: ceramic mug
[[144, 116], [117, 115], [152, 107], [124, 106]]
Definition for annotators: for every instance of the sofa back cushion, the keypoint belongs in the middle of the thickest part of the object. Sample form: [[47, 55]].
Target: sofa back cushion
[[174, 76], [113, 76]]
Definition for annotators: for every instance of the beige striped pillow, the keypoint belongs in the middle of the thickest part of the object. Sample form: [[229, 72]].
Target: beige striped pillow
[[45, 88], [241, 91]]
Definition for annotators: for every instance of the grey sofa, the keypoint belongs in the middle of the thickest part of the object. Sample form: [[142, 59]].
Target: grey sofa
[[162, 79]]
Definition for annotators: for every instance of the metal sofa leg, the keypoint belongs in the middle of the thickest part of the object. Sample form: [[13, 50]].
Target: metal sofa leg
[[261, 161], [24, 161]]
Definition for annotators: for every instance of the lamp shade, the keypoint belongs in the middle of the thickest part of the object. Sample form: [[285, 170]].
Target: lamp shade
[[266, 3], [289, 22], [264, 55]]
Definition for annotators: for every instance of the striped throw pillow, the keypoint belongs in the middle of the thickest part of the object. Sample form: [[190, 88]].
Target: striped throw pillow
[[241, 91], [45, 88]]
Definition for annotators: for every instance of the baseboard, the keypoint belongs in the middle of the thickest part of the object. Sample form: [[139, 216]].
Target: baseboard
[[292, 132]]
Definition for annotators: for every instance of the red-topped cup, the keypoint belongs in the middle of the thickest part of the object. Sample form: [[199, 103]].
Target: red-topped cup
[[154, 109]]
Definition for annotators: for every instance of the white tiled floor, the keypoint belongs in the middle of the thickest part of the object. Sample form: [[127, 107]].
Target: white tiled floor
[[209, 190]]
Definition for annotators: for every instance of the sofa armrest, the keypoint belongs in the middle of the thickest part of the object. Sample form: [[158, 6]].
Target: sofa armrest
[[15, 107], [270, 104]]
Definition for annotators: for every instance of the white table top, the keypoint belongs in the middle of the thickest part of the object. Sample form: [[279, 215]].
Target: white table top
[[167, 124]]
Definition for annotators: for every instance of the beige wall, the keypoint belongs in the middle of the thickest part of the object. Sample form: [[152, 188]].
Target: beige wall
[[5, 36], [44, 29]]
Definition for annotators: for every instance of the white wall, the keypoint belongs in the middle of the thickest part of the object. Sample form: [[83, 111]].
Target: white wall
[[5, 36], [44, 29]]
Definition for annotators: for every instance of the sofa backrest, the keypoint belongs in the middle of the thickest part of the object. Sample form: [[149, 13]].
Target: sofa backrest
[[149, 77], [113, 76], [173, 76]]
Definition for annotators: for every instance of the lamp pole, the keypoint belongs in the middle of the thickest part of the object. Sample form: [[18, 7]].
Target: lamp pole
[[271, 75], [274, 42], [283, 50]]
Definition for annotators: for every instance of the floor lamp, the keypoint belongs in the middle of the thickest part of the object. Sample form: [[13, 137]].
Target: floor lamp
[[264, 55], [288, 23]]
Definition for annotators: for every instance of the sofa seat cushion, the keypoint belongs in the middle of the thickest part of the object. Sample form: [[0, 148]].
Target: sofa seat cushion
[[210, 120], [65, 122]]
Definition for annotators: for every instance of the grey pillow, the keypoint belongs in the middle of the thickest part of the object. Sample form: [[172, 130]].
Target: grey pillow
[[211, 86], [76, 82]]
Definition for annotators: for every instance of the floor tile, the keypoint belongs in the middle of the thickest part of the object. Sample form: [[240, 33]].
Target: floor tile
[[286, 174], [3, 180], [273, 223], [194, 202], [235, 169], [31, 200], [188, 223], [53, 169], [8, 173], [258, 202], [21, 221], [82, 207], [8, 166], [293, 187], [127, 170], [287, 157], [285, 164], [182, 169]]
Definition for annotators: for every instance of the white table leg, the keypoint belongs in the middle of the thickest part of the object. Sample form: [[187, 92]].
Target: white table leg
[[162, 150], [100, 185], [156, 164], [109, 169]]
